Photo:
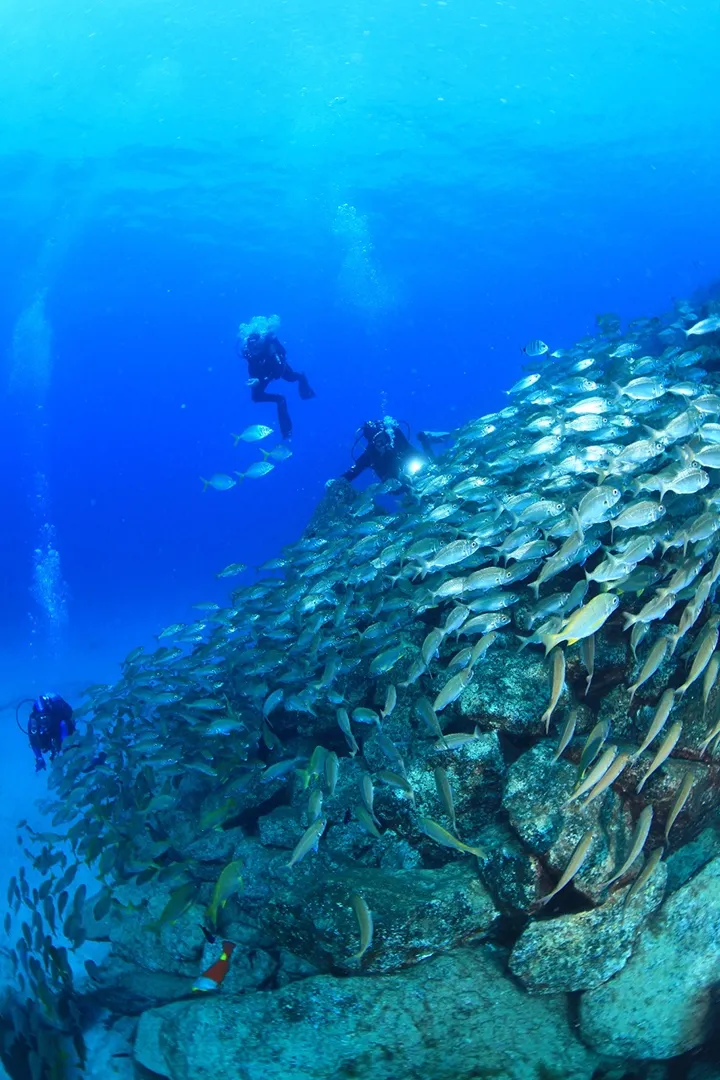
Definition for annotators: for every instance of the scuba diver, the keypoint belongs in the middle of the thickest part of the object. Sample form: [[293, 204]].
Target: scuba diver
[[389, 452], [267, 360], [49, 723]]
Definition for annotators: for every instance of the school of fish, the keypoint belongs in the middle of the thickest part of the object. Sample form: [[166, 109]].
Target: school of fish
[[587, 507]]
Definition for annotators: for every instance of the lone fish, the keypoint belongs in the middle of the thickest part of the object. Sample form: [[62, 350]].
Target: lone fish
[[654, 660], [576, 860], [664, 752], [568, 732], [680, 800], [645, 874], [442, 836], [595, 775], [365, 922], [308, 841], [444, 791], [638, 843], [609, 778], [661, 714], [585, 621], [558, 683], [452, 689]]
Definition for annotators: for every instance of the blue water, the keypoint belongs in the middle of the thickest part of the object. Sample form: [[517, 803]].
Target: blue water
[[415, 188]]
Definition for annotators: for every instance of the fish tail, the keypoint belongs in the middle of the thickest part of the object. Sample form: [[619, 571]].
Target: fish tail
[[205, 484], [578, 524], [535, 586], [550, 641], [617, 388], [500, 507], [240, 476], [630, 620], [235, 438], [265, 453]]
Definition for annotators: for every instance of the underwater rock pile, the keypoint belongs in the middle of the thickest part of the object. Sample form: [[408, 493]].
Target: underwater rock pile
[[451, 758]]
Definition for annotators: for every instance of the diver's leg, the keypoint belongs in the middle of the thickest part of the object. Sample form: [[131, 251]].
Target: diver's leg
[[425, 443], [306, 390], [259, 393], [428, 439]]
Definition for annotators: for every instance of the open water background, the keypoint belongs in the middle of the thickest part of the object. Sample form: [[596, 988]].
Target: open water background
[[416, 188]]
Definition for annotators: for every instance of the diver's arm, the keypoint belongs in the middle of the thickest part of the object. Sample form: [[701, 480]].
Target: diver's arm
[[363, 462], [276, 349]]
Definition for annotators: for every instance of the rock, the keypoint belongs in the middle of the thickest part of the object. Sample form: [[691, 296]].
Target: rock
[[455, 1016], [659, 1005], [583, 950], [476, 773], [215, 846], [145, 969], [108, 1044], [703, 1070], [687, 860], [535, 798], [279, 828], [174, 948], [292, 968], [504, 694], [415, 913], [128, 989], [514, 876]]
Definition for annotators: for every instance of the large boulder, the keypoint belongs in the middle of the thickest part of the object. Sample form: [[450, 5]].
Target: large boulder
[[584, 949], [659, 1005], [505, 694], [454, 1016], [514, 877], [684, 863], [415, 912], [535, 799]]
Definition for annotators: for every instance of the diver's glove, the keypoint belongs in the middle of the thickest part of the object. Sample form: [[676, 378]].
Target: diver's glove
[[40, 764], [331, 482], [252, 382]]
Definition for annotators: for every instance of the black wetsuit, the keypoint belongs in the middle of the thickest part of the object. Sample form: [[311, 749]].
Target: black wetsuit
[[386, 456], [388, 450], [51, 721], [266, 361]]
